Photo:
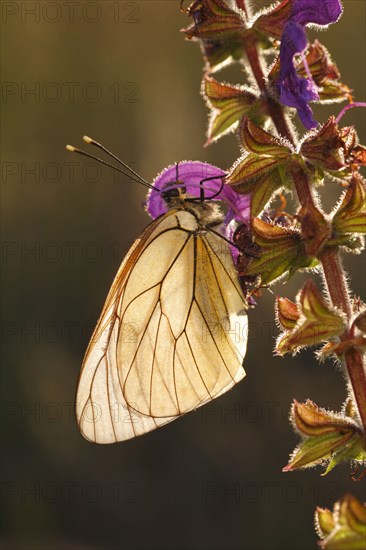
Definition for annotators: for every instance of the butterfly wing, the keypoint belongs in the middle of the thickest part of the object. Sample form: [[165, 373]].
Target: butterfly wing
[[171, 337]]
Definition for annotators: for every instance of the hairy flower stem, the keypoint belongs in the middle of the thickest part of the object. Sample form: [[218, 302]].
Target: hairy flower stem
[[335, 279], [274, 109], [337, 287], [241, 5], [334, 274]]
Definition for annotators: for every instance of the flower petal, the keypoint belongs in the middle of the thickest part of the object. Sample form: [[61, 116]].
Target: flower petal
[[192, 175], [293, 41], [295, 91], [320, 12]]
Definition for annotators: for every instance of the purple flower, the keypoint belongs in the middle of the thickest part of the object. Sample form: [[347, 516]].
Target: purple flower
[[190, 175], [297, 91], [320, 12]]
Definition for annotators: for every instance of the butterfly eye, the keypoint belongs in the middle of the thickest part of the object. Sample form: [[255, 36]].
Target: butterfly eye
[[175, 193]]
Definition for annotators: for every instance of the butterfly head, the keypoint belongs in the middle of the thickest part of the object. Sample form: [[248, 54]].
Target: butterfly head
[[174, 193]]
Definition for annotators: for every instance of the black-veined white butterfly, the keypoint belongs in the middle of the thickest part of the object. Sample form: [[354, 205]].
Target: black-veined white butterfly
[[172, 334]]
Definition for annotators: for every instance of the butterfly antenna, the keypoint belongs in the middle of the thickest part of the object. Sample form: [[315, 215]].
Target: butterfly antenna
[[87, 139], [136, 179]]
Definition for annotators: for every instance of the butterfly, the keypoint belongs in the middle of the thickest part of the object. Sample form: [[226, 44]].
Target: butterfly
[[173, 331]]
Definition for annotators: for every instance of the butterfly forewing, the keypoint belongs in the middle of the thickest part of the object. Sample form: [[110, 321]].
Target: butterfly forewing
[[172, 334]]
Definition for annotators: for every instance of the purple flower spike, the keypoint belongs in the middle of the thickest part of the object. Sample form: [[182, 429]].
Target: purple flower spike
[[190, 175], [297, 91]]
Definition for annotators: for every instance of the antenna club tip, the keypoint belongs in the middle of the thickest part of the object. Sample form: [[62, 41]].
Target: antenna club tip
[[88, 139], [71, 148]]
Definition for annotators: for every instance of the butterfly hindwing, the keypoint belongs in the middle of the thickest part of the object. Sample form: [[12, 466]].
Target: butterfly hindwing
[[172, 334]]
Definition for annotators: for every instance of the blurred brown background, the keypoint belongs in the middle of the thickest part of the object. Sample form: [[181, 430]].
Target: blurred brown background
[[123, 73]]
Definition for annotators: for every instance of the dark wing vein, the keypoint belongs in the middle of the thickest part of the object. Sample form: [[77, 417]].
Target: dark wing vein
[[206, 242], [152, 313]]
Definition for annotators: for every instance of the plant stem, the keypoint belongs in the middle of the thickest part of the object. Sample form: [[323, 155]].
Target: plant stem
[[334, 274], [357, 375], [336, 282], [274, 109], [337, 287], [241, 5]]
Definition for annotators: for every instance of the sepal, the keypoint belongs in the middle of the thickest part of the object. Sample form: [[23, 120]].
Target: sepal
[[345, 527], [251, 167], [340, 348], [316, 323], [261, 171], [324, 522], [360, 321], [281, 251], [350, 216], [287, 313], [336, 150], [211, 17], [228, 103], [325, 147], [315, 230], [220, 30], [355, 153], [272, 21], [256, 140], [325, 74], [327, 437]]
